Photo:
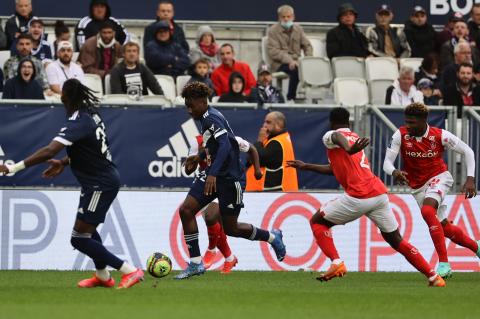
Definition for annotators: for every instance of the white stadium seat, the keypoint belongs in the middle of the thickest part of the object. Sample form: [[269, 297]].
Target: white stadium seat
[[116, 99], [4, 56], [75, 56], [315, 76], [159, 100], [378, 89], [381, 68], [350, 91], [182, 80], [414, 63], [168, 86], [348, 67], [319, 46], [94, 82], [108, 89]]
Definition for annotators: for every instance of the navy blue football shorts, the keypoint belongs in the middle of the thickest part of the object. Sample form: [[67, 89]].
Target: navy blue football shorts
[[94, 205], [229, 194]]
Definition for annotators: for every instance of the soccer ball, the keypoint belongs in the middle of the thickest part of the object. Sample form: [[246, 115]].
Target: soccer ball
[[159, 265]]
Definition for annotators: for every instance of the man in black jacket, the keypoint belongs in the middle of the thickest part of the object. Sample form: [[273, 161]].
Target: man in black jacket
[[18, 23], [474, 24], [90, 25], [346, 39], [465, 92], [165, 11], [420, 34]]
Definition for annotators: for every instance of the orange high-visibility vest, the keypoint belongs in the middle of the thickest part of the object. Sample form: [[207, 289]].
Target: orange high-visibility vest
[[289, 178]]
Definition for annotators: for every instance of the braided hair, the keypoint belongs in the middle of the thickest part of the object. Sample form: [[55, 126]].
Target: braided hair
[[79, 96]]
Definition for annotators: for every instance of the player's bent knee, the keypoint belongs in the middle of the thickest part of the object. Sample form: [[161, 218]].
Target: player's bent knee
[[393, 238]]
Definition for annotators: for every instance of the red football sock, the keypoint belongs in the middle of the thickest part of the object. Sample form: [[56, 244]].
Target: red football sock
[[436, 232], [324, 239], [415, 258], [214, 233], [457, 235], [222, 244]]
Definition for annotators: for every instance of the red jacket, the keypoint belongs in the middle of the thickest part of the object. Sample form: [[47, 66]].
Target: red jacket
[[222, 73]]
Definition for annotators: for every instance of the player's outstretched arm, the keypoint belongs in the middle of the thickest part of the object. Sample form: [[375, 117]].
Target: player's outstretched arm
[[40, 156], [255, 160], [320, 169], [356, 147], [56, 167], [191, 164]]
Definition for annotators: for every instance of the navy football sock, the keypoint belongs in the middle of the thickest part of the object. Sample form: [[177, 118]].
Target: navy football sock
[[98, 263], [94, 249], [259, 234], [192, 243]]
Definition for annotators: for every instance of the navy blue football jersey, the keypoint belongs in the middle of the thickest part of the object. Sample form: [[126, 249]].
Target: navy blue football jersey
[[87, 147], [214, 128]]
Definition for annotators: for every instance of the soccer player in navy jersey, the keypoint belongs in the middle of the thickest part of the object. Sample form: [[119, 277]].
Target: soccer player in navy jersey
[[223, 173], [88, 155]]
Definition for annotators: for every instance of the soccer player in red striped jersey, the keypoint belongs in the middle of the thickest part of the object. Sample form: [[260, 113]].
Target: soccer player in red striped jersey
[[422, 148], [365, 194]]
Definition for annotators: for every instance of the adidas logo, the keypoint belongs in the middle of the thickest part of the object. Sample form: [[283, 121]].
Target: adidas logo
[[176, 149], [5, 161]]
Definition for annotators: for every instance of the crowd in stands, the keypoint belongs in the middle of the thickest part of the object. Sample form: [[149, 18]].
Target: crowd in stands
[[448, 73]]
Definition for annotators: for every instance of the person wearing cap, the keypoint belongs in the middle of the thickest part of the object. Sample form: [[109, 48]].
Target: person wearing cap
[[464, 91], [286, 41], [165, 56], [166, 12], [385, 40], [460, 34], [89, 26], [474, 24], [99, 54], [447, 33], [63, 68], [346, 39], [41, 48], [426, 86], [24, 85], [18, 23], [420, 34], [264, 92]]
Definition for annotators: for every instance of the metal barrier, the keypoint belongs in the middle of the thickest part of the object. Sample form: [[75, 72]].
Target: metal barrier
[[471, 135]]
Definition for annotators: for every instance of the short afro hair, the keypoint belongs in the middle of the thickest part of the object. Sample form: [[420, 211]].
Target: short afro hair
[[340, 115], [418, 110], [195, 89]]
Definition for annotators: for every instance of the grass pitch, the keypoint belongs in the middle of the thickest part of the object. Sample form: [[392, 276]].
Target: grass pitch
[[52, 294]]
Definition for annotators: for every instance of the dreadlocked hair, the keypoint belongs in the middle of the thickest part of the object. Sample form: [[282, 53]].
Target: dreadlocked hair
[[80, 96], [418, 110], [195, 89]]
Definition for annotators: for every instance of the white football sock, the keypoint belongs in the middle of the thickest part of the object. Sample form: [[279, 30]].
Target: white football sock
[[214, 250], [271, 238], [230, 258], [102, 274], [127, 268], [196, 260], [431, 279], [337, 261]]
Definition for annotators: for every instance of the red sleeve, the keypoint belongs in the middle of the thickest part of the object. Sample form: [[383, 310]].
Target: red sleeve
[[250, 80], [216, 79]]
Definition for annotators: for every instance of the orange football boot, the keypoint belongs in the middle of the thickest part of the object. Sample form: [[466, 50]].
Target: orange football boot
[[228, 265], [96, 282], [128, 280], [437, 282], [209, 258], [333, 271]]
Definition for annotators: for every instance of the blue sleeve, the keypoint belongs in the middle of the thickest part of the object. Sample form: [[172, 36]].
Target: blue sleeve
[[74, 131], [220, 134]]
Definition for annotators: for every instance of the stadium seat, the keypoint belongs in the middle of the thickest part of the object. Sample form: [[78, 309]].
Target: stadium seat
[[279, 76], [315, 76], [350, 91], [116, 99], [348, 67], [215, 99], [414, 63], [4, 56], [94, 82], [378, 89], [75, 56], [168, 86], [319, 46], [159, 100], [182, 80], [381, 68], [108, 89]]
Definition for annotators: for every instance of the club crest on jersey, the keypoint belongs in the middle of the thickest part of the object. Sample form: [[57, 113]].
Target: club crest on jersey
[[408, 144], [406, 137]]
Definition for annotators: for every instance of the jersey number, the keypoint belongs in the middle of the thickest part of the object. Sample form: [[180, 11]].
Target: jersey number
[[363, 162], [102, 137]]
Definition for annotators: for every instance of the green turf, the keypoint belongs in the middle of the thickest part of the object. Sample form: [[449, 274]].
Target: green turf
[[50, 294]]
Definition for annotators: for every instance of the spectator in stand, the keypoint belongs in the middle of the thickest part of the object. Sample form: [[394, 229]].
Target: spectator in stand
[[385, 40], [201, 73], [100, 53], [474, 24], [24, 50], [464, 91], [89, 26], [130, 76], [447, 33], [24, 85], [206, 48], [62, 33], [346, 39], [235, 94], [221, 75], [165, 12], [165, 56], [462, 54], [427, 88], [264, 92], [428, 69], [1, 80], [18, 23], [460, 34], [63, 68], [3, 38], [403, 91], [420, 34], [286, 40], [41, 48]]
